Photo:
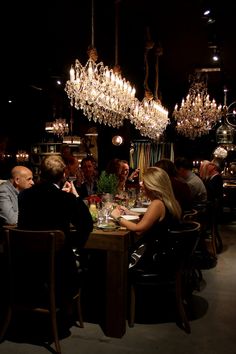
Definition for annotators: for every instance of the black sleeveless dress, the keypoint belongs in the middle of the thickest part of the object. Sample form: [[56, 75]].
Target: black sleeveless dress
[[144, 252]]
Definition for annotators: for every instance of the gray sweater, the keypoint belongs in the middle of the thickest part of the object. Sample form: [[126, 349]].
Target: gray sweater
[[8, 203]]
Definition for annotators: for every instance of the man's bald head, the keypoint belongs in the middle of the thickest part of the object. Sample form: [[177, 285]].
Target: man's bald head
[[21, 177]]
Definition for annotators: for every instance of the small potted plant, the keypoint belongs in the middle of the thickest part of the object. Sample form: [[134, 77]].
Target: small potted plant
[[107, 183]]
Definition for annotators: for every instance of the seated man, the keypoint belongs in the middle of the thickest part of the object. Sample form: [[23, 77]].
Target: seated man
[[196, 185], [21, 178], [89, 185], [180, 187], [48, 207]]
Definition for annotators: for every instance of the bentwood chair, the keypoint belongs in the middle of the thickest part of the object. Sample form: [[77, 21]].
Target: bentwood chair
[[172, 267], [31, 262], [209, 215]]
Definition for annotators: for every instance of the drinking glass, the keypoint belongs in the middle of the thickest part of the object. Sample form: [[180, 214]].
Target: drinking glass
[[101, 218]]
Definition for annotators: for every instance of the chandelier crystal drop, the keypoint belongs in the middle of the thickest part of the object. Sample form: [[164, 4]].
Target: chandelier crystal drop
[[197, 113], [101, 93]]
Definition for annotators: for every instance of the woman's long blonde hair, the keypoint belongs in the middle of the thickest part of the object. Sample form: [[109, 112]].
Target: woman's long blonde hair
[[158, 186]]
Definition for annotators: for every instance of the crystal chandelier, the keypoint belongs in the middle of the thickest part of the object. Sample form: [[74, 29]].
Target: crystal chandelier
[[197, 114], [71, 139], [60, 127], [225, 132], [22, 156], [149, 116], [101, 93]]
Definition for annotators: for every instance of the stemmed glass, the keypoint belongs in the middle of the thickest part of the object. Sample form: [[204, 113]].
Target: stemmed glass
[[107, 206], [107, 209]]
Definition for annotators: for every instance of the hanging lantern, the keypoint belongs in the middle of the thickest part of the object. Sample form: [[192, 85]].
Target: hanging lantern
[[224, 134]]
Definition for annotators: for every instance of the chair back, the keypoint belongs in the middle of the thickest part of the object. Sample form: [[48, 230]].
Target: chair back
[[31, 260], [182, 240], [178, 245], [34, 271], [34, 241], [190, 215], [170, 267]]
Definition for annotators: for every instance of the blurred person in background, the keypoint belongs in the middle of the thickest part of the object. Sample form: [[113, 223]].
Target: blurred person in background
[[89, 184], [195, 183], [180, 187]]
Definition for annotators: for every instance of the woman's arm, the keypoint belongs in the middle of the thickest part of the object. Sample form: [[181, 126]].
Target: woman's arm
[[155, 211]]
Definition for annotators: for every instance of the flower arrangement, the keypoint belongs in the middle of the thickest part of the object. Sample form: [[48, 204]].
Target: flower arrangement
[[93, 198]]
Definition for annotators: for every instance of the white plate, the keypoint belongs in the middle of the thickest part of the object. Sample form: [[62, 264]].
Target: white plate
[[146, 203], [139, 210], [130, 217], [107, 227]]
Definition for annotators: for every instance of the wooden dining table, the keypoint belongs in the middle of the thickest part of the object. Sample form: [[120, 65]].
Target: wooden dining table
[[115, 244]]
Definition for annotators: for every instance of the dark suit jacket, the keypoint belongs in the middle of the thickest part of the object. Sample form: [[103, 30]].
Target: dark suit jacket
[[182, 193], [46, 207], [214, 187], [83, 191]]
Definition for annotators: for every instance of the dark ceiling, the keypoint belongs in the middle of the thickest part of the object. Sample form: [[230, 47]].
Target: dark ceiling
[[42, 39]]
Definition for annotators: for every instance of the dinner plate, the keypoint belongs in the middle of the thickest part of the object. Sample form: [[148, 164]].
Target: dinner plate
[[107, 227], [146, 203], [130, 217], [139, 210]]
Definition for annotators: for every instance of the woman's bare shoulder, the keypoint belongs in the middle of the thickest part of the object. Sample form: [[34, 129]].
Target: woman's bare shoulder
[[157, 202], [156, 207]]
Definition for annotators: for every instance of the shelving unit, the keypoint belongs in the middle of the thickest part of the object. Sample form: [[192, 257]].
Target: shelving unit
[[39, 151]]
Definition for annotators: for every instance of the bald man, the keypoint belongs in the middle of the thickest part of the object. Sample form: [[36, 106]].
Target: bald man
[[21, 178]]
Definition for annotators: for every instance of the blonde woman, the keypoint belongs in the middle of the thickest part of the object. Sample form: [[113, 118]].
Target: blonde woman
[[163, 213], [163, 210]]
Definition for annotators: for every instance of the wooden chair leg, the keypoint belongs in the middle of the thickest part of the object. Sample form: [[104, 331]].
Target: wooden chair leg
[[132, 307], [179, 303], [53, 316], [5, 325], [218, 240], [79, 310]]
